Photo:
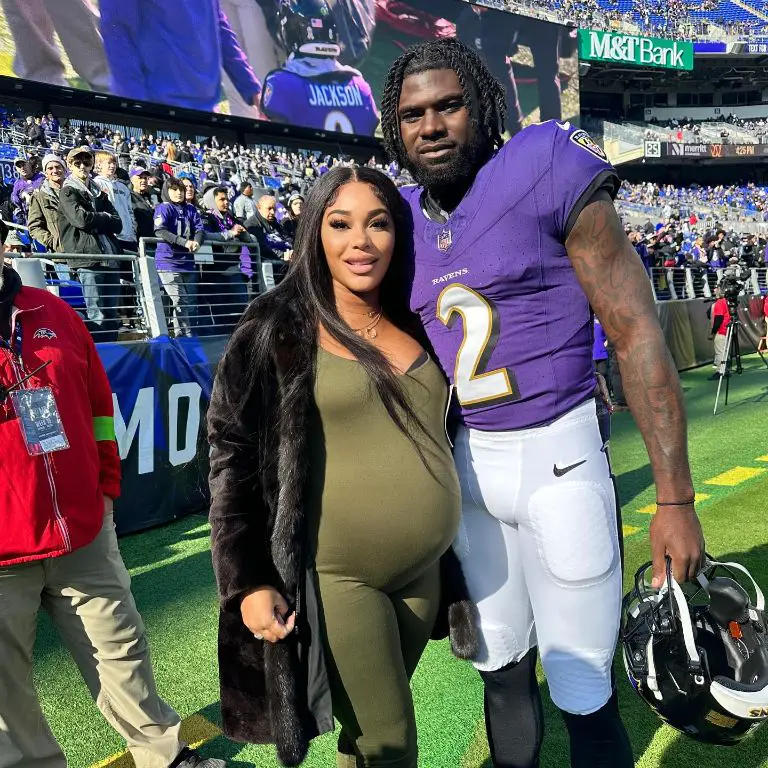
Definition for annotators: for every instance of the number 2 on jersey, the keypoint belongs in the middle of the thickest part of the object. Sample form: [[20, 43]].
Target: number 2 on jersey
[[474, 385]]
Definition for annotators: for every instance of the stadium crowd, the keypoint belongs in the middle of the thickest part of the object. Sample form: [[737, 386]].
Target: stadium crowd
[[180, 193], [689, 228], [183, 192], [727, 130], [680, 243], [747, 203], [676, 19]]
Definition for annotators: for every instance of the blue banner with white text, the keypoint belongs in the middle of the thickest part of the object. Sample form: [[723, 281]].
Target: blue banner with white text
[[161, 389]]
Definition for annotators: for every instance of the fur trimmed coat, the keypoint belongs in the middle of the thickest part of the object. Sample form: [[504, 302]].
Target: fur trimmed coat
[[279, 693]]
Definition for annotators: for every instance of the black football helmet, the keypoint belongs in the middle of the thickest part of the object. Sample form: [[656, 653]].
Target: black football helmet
[[697, 654], [307, 27]]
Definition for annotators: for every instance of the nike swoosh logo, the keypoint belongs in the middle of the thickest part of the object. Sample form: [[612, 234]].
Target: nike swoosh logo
[[559, 472], [566, 126]]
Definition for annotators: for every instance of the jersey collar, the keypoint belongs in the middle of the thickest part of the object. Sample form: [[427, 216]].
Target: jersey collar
[[431, 209]]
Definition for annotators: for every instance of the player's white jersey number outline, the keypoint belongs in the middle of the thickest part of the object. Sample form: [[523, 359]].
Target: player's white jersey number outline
[[338, 121], [474, 385]]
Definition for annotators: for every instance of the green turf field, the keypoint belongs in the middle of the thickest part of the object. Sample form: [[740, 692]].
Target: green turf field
[[174, 588]]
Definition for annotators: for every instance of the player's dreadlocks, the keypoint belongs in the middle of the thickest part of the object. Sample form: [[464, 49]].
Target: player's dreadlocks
[[483, 94]]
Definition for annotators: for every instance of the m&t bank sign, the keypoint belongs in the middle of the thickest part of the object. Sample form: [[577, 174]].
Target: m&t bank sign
[[631, 49]]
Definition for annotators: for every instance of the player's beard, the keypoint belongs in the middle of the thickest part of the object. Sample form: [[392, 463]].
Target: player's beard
[[457, 172]]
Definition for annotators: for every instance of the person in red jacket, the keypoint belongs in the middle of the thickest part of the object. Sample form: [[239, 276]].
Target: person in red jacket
[[721, 319], [59, 475]]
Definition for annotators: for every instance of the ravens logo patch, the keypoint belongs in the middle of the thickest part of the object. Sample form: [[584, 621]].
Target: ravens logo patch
[[582, 139], [267, 97]]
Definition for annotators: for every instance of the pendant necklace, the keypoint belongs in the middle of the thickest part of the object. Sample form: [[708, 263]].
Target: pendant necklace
[[369, 331]]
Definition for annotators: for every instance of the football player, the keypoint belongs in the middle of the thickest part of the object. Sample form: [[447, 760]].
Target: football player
[[312, 88], [513, 244]]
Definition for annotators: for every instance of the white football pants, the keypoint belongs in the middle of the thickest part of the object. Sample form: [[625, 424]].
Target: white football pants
[[539, 546]]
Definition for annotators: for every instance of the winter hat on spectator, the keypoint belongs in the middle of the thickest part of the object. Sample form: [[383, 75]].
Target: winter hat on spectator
[[13, 240], [51, 158]]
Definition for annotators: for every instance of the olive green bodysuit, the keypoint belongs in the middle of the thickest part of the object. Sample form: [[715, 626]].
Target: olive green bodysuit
[[379, 522]]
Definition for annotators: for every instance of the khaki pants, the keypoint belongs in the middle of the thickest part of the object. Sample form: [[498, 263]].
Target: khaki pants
[[87, 594], [719, 349]]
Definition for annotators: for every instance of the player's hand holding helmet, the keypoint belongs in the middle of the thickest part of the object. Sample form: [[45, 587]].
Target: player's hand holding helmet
[[697, 653]]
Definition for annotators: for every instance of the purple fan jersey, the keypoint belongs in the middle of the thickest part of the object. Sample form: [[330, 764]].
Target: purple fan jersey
[[495, 289], [334, 101]]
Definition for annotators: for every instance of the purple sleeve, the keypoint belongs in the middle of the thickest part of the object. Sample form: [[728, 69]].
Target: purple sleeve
[[579, 168], [121, 29], [17, 190], [235, 62], [160, 217]]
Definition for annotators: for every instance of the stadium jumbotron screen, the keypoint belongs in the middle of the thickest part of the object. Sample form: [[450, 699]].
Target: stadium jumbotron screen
[[315, 63]]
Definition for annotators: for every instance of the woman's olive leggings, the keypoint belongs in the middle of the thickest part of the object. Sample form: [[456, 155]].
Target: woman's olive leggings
[[374, 641]]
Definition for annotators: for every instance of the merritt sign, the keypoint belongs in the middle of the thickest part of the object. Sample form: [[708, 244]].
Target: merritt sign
[[630, 49]]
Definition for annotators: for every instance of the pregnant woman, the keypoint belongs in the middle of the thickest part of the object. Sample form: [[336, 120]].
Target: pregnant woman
[[334, 498]]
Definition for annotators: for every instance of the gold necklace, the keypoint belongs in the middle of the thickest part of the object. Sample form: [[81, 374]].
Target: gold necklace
[[369, 331]]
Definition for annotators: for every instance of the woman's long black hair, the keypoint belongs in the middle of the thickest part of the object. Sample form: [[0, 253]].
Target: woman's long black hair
[[290, 315]]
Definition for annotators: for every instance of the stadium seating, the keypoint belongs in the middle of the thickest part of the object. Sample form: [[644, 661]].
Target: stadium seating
[[710, 19]]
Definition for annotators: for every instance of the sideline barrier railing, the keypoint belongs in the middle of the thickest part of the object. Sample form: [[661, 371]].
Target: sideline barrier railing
[[108, 293], [203, 294], [126, 297], [698, 282], [639, 213]]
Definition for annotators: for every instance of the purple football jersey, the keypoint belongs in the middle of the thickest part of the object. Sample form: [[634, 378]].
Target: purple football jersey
[[334, 101], [495, 289]]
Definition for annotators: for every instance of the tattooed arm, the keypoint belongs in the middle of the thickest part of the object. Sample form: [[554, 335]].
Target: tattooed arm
[[617, 286]]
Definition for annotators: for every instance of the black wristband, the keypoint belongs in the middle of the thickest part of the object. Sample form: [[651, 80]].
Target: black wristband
[[676, 503]]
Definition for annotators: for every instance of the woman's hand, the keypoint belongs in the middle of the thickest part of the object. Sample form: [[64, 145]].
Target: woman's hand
[[265, 613]]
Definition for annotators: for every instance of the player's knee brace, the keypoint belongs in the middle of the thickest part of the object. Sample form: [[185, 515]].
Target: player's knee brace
[[599, 740], [514, 718]]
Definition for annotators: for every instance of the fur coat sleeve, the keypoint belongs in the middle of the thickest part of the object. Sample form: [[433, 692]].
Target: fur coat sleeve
[[239, 514]]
